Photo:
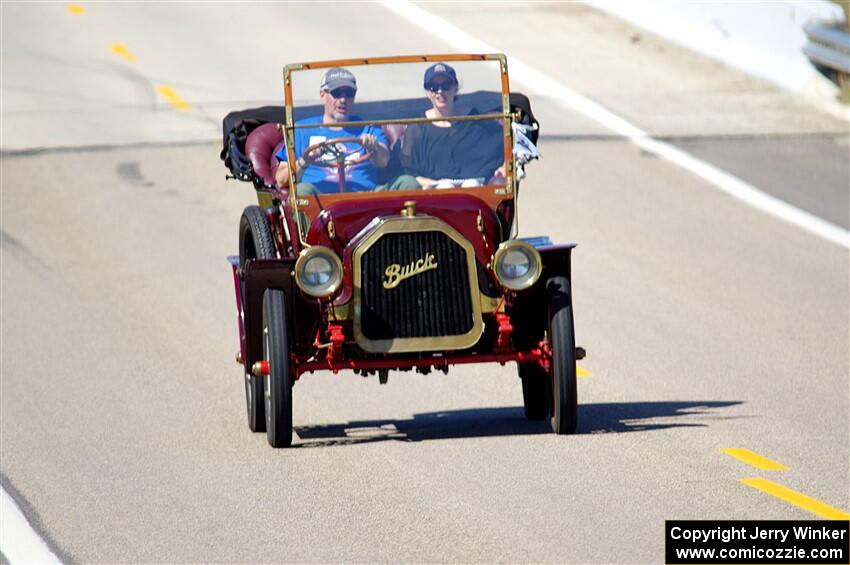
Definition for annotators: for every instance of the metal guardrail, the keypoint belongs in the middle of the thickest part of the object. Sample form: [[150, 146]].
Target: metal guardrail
[[828, 47]]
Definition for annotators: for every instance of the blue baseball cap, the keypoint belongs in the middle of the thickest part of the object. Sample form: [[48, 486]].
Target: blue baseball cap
[[439, 70]]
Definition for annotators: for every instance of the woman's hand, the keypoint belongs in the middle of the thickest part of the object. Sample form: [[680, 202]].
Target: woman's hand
[[499, 176]]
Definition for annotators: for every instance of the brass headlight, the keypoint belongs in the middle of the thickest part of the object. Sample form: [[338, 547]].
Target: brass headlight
[[517, 265], [318, 271]]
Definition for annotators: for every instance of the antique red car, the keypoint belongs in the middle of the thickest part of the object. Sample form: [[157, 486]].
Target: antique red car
[[360, 257]]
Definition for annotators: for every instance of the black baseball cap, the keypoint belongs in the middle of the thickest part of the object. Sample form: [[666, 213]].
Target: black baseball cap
[[439, 70], [338, 77]]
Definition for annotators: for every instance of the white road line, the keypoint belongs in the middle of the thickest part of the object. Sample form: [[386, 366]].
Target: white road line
[[538, 83], [18, 541]]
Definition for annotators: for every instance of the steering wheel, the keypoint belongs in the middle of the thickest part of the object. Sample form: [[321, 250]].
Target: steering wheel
[[333, 153]]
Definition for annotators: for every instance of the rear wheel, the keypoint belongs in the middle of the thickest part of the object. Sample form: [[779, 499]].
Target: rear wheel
[[278, 383], [255, 242], [535, 390], [564, 397]]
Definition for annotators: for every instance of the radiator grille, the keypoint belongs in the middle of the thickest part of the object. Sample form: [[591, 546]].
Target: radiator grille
[[433, 303]]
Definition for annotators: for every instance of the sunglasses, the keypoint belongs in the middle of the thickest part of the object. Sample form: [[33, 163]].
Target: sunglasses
[[343, 92], [445, 86]]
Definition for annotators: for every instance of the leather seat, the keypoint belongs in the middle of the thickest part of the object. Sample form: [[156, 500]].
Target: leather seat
[[260, 147]]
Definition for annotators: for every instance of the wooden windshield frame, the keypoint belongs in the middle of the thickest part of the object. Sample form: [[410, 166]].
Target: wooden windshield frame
[[493, 195]]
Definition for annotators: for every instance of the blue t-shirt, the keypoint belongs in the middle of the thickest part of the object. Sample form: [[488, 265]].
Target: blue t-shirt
[[359, 177]]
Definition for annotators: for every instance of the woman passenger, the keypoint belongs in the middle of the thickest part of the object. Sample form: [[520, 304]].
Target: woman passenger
[[441, 153]]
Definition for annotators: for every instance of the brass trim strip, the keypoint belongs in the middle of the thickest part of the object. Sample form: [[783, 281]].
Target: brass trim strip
[[398, 59], [289, 147], [400, 224]]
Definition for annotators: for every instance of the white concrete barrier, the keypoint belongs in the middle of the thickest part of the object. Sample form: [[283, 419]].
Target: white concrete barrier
[[764, 39]]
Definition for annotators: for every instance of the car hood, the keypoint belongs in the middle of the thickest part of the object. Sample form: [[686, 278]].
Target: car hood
[[468, 215], [460, 211]]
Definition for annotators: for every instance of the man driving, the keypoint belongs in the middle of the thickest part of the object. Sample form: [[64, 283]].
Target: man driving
[[316, 171]]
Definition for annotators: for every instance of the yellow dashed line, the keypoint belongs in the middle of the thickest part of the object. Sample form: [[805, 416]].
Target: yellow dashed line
[[797, 499], [76, 9], [583, 373], [121, 50], [754, 459], [173, 98]]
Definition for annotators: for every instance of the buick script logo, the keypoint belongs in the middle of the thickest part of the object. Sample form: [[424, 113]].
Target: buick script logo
[[395, 273]]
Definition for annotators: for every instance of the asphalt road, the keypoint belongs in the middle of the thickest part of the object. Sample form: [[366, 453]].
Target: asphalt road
[[708, 324]]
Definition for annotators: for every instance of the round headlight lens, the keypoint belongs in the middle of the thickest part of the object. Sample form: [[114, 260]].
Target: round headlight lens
[[318, 271], [517, 265]]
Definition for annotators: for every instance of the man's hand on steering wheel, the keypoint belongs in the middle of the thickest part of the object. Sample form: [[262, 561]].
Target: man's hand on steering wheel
[[379, 152], [335, 153], [369, 142]]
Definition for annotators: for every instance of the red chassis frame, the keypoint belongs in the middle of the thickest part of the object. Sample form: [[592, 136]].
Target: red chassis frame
[[330, 356]]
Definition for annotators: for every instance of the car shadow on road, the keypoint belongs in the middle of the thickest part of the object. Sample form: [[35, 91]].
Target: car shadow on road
[[619, 417]]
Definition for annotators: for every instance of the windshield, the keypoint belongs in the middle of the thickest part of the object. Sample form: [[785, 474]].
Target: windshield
[[371, 128]]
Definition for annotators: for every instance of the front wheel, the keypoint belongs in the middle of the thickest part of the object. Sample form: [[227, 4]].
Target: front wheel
[[564, 398], [278, 383]]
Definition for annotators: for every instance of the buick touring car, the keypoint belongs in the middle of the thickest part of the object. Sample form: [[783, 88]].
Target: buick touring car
[[373, 280]]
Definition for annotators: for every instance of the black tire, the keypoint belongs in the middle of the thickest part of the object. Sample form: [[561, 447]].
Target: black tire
[[255, 242], [535, 391], [278, 383], [564, 397]]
